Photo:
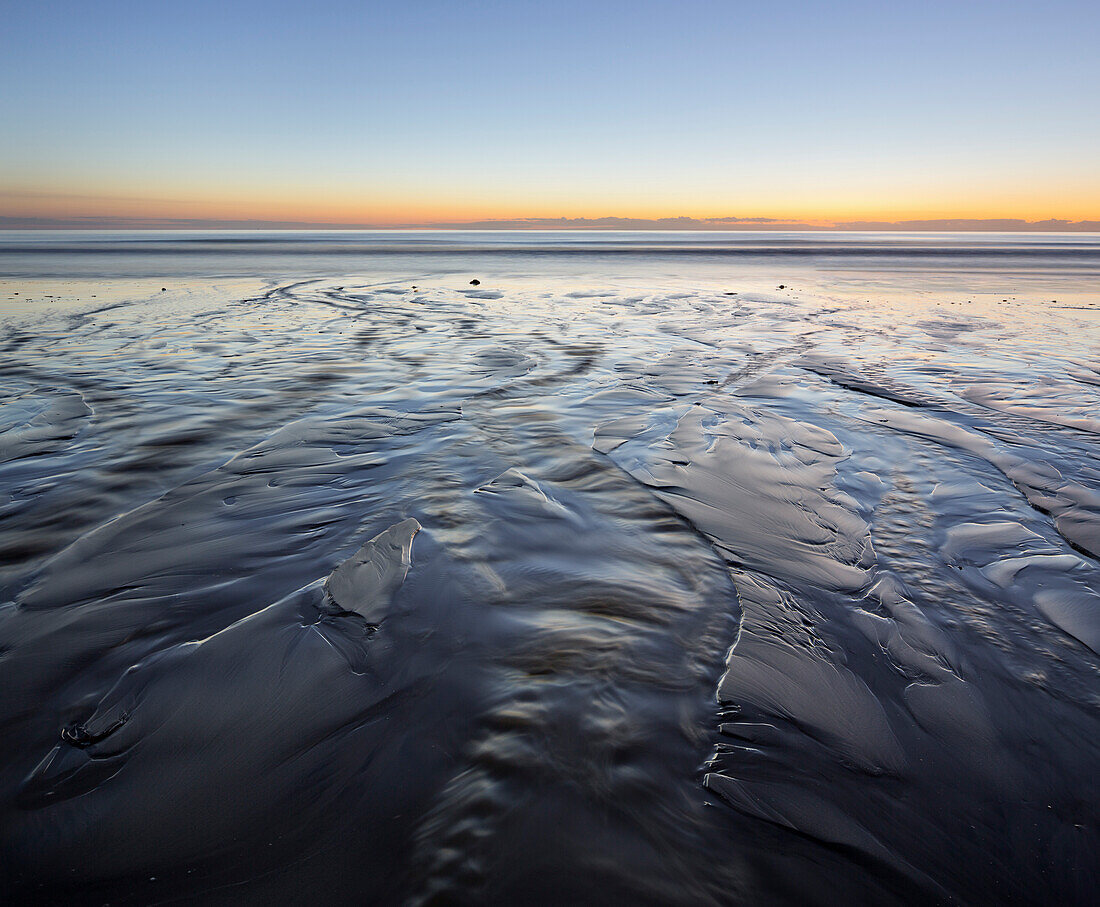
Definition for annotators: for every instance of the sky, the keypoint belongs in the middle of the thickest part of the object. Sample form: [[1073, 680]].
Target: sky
[[423, 112]]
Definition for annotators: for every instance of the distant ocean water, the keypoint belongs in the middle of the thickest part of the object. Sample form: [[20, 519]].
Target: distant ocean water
[[558, 567], [57, 252]]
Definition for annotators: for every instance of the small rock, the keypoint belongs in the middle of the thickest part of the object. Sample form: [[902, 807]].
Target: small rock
[[475, 282]]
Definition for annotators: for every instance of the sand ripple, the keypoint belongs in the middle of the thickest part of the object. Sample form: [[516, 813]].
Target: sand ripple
[[518, 594]]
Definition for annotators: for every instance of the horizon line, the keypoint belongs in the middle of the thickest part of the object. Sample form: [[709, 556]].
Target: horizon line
[[687, 224]]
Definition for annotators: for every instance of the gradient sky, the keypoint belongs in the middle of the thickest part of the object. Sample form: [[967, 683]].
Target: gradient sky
[[423, 111]]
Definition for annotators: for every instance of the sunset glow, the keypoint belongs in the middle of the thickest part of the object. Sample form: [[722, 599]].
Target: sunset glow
[[437, 113]]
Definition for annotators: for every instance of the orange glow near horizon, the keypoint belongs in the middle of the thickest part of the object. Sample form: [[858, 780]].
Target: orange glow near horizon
[[327, 205]]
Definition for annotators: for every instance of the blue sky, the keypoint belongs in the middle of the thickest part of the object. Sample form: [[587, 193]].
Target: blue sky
[[428, 110]]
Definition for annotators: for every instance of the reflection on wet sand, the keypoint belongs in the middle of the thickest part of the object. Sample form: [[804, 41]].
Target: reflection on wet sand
[[352, 591]]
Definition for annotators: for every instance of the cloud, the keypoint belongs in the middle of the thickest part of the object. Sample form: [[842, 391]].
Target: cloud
[[613, 223], [97, 222], [993, 225]]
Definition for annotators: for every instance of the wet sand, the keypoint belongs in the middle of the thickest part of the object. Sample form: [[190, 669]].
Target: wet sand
[[612, 579]]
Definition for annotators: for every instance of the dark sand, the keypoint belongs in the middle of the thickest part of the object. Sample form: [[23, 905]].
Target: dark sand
[[591, 584]]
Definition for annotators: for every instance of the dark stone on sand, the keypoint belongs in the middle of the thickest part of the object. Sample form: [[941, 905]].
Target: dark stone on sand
[[475, 282], [163, 289], [781, 287]]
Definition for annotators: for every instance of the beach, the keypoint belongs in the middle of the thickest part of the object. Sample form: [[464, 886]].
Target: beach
[[557, 567]]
